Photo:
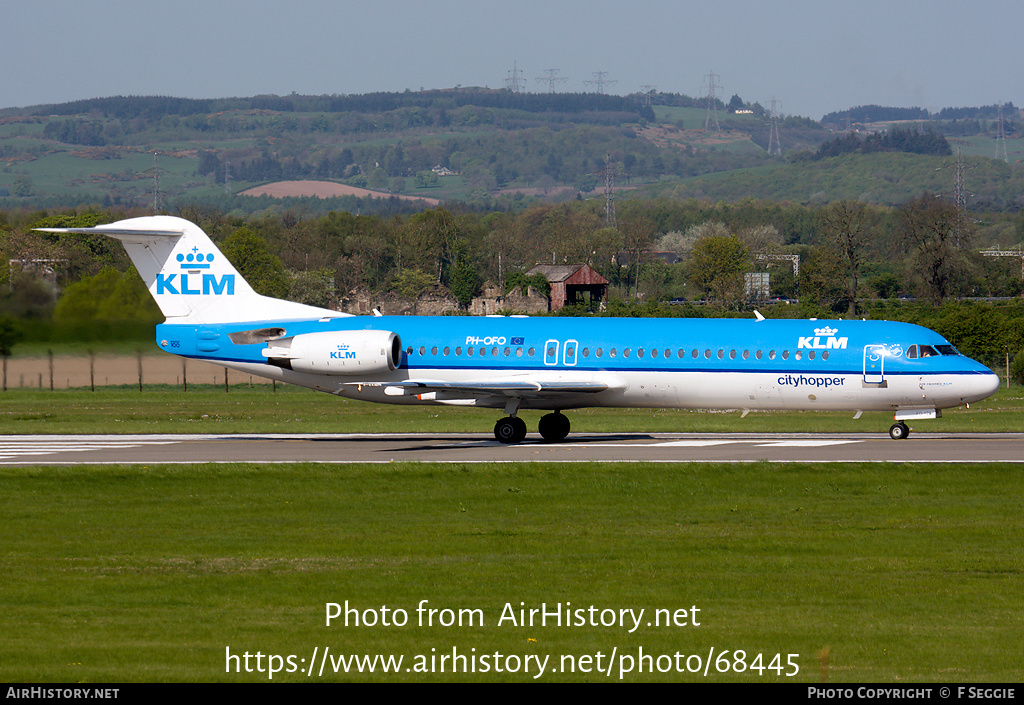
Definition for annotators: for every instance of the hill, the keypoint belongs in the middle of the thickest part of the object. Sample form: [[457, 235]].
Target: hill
[[490, 148]]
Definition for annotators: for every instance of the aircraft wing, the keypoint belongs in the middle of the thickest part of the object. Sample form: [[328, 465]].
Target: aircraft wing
[[507, 388]]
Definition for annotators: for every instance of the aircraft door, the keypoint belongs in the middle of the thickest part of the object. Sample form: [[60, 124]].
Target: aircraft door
[[551, 352], [874, 365], [569, 353]]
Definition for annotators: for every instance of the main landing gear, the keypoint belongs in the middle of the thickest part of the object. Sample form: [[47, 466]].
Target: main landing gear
[[552, 427], [898, 431]]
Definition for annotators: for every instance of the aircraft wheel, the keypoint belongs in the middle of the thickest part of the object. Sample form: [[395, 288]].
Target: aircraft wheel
[[510, 429], [553, 427], [899, 431]]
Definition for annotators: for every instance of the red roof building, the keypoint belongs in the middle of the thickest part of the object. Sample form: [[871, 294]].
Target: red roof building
[[571, 282]]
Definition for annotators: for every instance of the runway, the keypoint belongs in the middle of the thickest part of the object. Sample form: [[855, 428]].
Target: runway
[[477, 448]]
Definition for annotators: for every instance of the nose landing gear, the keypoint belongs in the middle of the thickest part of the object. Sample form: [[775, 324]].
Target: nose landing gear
[[899, 431]]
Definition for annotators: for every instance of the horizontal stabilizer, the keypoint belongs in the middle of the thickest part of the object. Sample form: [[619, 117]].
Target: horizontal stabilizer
[[190, 279]]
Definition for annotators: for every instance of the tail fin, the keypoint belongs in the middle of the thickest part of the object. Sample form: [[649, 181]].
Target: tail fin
[[191, 281]]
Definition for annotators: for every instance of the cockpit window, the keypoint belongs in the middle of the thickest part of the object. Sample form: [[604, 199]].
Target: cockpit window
[[916, 351]]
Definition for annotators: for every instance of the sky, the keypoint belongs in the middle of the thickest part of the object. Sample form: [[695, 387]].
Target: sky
[[812, 56]]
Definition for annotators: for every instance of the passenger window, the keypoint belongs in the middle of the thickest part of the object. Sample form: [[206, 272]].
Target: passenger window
[[707, 354], [810, 355], [458, 351], [612, 353], [433, 350], [531, 352], [494, 352], [640, 352], [732, 354], [757, 355], [625, 353], [586, 352], [824, 355], [508, 352], [785, 354], [654, 352], [771, 355], [447, 351], [695, 354], [799, 355], [721, 353], [746, 354], [600, 352], [423, 350], [469, 351], [519, 352]]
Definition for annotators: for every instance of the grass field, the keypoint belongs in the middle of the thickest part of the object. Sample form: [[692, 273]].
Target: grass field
[[873, 573], [259, 409], [864, 572]]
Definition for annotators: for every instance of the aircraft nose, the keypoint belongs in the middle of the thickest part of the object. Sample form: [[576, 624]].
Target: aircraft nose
[[984, 385]]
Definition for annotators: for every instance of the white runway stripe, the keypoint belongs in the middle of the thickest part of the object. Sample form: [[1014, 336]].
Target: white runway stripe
[[42, 446]]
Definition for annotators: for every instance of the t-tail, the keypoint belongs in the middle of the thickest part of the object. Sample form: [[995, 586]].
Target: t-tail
[[190, 279]]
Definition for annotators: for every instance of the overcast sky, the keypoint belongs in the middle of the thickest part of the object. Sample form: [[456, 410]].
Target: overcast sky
[[814, 56]]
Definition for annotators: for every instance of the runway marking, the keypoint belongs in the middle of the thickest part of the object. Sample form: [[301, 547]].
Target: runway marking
[[809, 443], [22, 448], [805, 444]]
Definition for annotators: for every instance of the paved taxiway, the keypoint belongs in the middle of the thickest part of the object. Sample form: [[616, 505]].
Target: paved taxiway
[[448, 448]]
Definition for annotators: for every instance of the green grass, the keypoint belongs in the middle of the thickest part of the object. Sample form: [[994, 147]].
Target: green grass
[[897, 572], [869, 572], [258, 408]]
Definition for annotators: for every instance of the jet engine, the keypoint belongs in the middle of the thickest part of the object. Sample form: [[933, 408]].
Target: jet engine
[[357, 352]]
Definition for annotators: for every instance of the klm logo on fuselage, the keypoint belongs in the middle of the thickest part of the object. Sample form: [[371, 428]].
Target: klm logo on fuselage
[[206, 285], [823, 339]]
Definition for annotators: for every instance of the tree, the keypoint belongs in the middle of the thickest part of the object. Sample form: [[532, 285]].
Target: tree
[[264, 271], [847, 225], [716, 267], [932, 230], [315, 288]]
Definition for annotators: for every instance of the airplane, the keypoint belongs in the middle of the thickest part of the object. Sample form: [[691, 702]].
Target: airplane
[[548, 363]]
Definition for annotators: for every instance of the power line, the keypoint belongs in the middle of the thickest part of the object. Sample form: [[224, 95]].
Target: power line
[[1000, 135], [514, 83], [600, 81], [552, 79], [774, 147], [712, 102]]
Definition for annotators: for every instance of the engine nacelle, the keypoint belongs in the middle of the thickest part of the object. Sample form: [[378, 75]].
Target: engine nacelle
[[357, 352]]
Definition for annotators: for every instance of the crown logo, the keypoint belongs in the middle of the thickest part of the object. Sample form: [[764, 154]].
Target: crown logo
[[826, 331], [195, 259]]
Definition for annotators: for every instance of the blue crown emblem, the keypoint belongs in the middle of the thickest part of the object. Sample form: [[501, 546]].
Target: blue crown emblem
[[195, 259]]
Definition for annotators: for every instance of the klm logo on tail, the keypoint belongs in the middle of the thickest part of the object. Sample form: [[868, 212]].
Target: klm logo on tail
[[205, 285]]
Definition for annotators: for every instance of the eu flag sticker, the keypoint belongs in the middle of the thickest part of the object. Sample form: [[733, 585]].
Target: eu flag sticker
[[517, 341]]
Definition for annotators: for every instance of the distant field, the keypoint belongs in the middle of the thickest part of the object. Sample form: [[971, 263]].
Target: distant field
[[325, 189]]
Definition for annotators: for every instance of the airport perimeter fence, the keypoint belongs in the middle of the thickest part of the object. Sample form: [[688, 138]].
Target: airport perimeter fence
[[94, 370]]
